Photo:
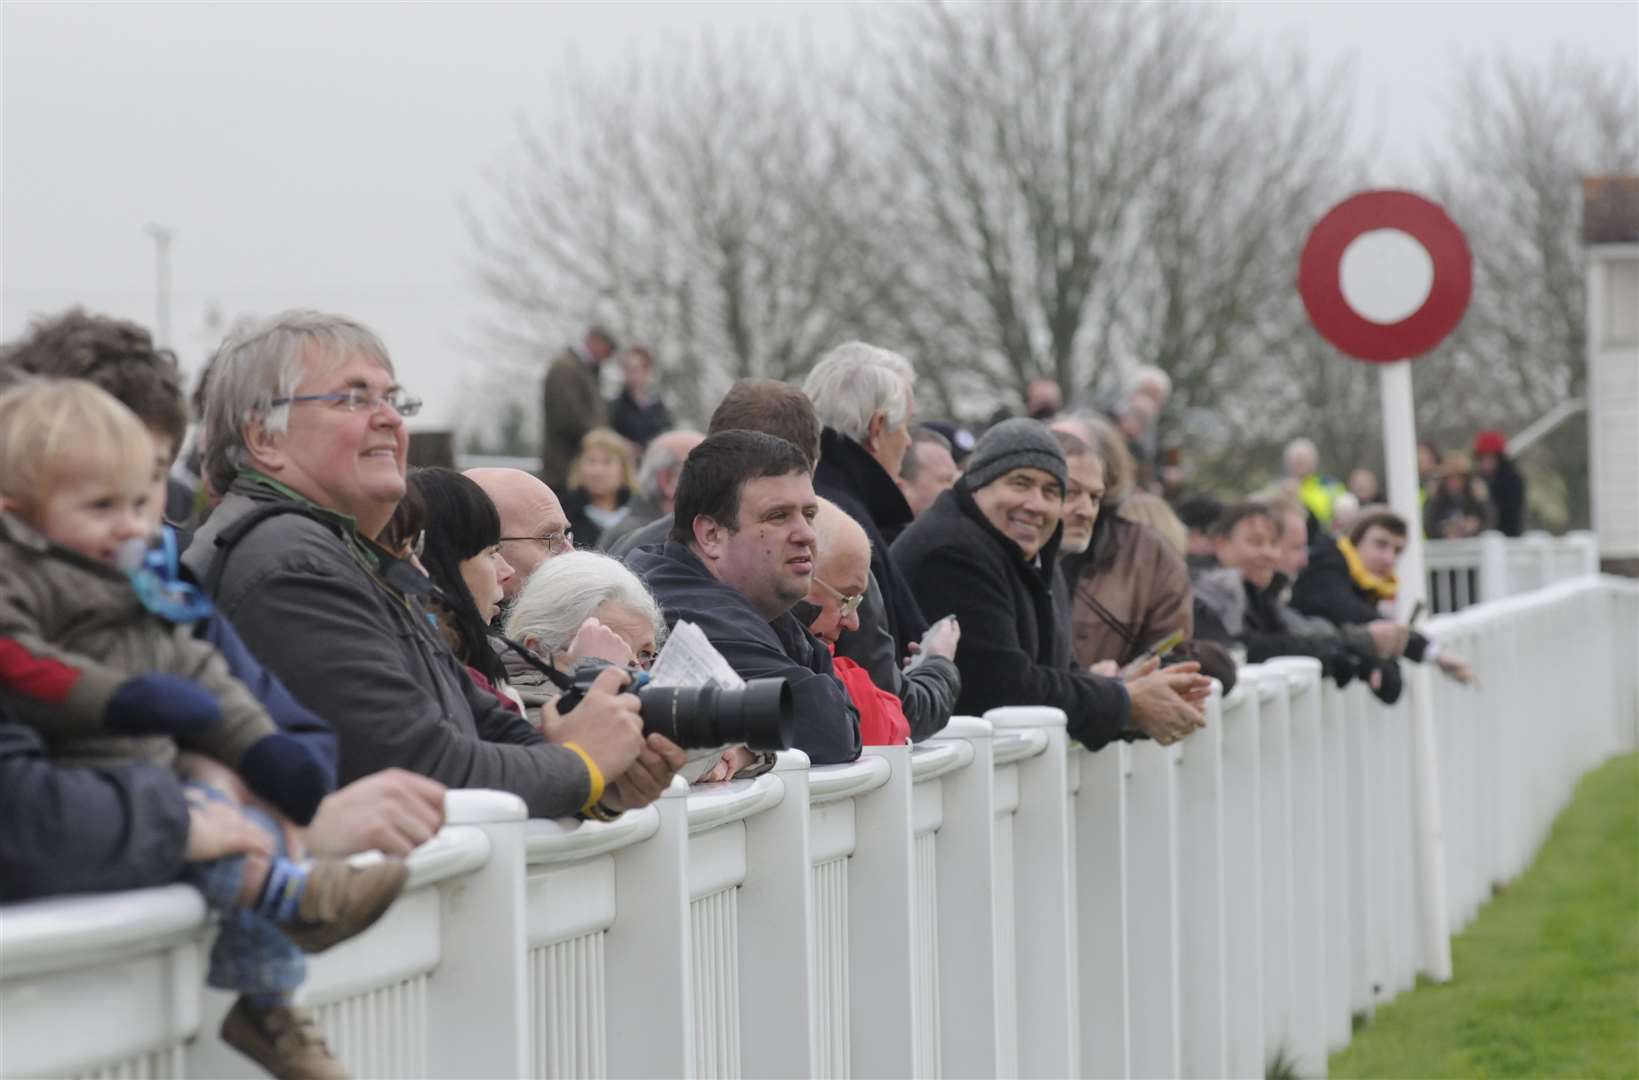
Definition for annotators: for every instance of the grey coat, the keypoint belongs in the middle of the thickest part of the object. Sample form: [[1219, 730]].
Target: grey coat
[[366, 657]]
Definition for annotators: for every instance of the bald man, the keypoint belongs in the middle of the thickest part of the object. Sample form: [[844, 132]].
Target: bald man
[[533, 525], [842, 573]]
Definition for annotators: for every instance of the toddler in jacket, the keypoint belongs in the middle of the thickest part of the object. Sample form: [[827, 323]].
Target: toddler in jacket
[[96, 653]]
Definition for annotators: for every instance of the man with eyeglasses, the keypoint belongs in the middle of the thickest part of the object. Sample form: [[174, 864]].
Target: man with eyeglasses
[[307, 443], [739, 557], [842, 573], [534, 527]]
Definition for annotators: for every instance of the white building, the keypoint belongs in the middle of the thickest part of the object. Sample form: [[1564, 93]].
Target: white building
[[1611, 231]]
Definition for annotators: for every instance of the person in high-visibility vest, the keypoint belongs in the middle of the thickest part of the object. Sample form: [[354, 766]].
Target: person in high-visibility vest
[[1303, 479]]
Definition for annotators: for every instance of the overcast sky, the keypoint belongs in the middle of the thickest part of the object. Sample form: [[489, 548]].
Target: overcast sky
[[317, 156]]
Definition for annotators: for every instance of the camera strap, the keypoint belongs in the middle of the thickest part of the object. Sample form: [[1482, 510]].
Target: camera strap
[[558, 678]]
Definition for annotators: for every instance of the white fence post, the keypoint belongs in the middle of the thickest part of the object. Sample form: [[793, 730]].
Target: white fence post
[[977, 1022], [478, 995], [1275, 826], [1493, 567], [1101, 858], [1203, 1035], [651, 1006], [1244, 883], [777, 961], [881, 922], [1152, 906], [1043, 895]]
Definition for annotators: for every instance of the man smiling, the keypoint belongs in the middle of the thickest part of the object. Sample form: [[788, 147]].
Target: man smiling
[[307, 443], [739, 556], [986, 552]]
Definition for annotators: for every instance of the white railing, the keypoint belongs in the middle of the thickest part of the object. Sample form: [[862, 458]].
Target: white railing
[[994, 902], [1490, 566]]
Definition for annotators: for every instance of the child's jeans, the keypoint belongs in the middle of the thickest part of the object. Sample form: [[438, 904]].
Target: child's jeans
[[251, 955]]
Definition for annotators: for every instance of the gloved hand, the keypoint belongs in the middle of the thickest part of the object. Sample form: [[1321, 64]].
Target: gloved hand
[[160, 704], [288, 774]]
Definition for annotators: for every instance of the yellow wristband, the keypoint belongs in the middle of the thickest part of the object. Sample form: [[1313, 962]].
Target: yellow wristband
[[593, 772]]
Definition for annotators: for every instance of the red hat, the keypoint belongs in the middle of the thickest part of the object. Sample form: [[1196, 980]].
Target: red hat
[[1490, 442]]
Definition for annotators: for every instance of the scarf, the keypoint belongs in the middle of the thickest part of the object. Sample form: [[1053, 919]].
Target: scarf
[[1379, 588]]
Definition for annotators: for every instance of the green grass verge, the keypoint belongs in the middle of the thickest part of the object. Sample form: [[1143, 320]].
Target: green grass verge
[[1547, 976]]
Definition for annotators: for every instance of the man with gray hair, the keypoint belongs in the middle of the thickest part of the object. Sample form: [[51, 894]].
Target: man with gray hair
[[862, 394], [657, 476], [307, 445]]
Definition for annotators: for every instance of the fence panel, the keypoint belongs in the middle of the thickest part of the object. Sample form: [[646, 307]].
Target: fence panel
[[1202, 1035], [1099, 781], [1244, 879]]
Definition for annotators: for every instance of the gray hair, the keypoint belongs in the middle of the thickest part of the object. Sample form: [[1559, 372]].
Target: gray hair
[[1149, 375], [262, 362], [854, 382], [568, 590], [657, 459]]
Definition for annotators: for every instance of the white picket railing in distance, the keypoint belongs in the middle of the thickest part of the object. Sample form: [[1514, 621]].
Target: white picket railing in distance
[[992, 903]]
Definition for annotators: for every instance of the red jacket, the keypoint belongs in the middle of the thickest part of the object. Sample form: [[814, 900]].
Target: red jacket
[[881, 718]]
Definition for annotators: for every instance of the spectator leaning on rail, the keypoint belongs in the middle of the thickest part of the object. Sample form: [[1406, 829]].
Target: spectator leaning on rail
[[766, 405], [100, 660], [1349, 581], [842, 569], [393, 811], [581, 605], [986, 553], [657, 476], [862, 394], [1128, 588], [741, 554], [307, 442], [534, 527], [572, 404]]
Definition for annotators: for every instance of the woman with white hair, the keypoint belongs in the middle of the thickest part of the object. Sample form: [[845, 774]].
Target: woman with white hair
[[578, 606]]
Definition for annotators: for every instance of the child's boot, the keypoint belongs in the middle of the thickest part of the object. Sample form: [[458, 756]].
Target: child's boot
[[284, 1039]]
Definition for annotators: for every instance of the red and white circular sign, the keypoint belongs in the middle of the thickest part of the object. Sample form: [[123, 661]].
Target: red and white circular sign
[[1320, 276]]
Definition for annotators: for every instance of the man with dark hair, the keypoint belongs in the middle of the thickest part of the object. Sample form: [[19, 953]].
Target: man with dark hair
[[929, 469], [121, 358], [1239, 604], [986, 552], [1348, 581], [766, 405], [572, 404], [740, 554]]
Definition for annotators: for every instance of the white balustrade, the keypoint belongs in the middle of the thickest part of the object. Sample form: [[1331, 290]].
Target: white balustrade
[[993, 902]]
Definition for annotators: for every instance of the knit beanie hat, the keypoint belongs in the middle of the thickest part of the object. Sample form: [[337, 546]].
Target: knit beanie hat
[[1014, 444]]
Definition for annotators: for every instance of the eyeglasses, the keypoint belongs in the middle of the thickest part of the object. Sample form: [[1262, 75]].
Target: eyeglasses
[[847, 604], [355, 398], [645, 659], [556, 542]]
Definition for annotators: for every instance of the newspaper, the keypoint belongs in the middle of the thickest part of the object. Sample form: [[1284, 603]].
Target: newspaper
[[689, 659]]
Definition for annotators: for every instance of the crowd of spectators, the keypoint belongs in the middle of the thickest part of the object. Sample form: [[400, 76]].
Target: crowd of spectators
[[343, 638]]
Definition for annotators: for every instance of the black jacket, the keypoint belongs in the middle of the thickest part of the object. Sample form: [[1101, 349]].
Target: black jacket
[[850, 477], [1014, 650], [71, 830], [639, 423], [1325, 588], [640, 511], [827, 727], [1508, 497], [364, 656], [588, 533]]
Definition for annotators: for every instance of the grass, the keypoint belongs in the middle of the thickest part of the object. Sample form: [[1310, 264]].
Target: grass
[[1547, 976]]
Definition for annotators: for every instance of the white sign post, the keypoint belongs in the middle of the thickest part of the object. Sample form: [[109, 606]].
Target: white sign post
[[1389, 299]]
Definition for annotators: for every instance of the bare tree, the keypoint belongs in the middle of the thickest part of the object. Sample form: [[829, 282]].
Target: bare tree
[[1522, 138], [703, 208]]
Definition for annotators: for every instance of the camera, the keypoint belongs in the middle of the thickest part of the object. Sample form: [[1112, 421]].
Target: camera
[[699, 717]]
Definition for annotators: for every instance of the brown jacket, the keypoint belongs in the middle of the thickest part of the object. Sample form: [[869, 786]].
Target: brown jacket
[[572, 405], [72, 630], [1137, 578]]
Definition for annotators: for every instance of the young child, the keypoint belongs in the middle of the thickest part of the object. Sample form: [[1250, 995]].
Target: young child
[[102, 663]]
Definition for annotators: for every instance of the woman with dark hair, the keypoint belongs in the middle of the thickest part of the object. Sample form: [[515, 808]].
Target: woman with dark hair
[[461, 554]]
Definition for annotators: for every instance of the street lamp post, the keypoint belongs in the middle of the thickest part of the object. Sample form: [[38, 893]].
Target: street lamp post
[[163, 235]]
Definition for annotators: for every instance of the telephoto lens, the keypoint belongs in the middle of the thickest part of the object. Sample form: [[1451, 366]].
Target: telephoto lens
[[760, 714]]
